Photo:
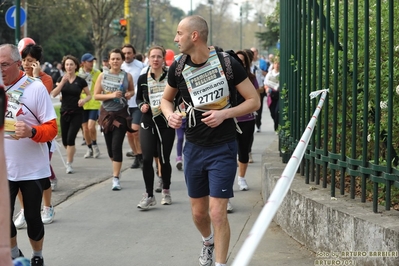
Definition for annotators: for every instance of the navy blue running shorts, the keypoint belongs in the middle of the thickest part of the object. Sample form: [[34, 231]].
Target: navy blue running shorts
[[90, 115], [210, 171]]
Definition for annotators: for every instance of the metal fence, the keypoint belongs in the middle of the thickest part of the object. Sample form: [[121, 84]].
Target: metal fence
[[348, 47]]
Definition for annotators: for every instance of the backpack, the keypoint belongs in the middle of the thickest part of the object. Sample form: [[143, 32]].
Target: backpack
[[224, 58]]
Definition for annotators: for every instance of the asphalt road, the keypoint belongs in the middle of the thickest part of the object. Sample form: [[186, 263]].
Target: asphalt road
[[94, 225]]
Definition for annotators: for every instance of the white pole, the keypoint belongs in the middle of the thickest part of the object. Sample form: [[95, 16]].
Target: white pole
[[283, 184]]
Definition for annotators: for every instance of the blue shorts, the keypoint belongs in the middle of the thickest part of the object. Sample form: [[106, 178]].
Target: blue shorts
[[135, 113], [90, 115], [210, 171]]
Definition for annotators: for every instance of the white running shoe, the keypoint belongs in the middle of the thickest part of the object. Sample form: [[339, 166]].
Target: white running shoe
[[89, 153], [115, 184], [69, 169], [48, 214], [53, 183], [242, 183], [166, 198], [206, 256], [229, 207], [146, 202], [96, 151], [20, 221]]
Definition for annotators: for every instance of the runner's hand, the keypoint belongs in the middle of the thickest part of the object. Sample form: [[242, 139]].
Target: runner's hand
[[175, 120], [144, 108], [36, 69], [22, 130], [213, 118]]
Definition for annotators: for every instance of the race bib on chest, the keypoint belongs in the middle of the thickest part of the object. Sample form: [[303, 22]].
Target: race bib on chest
[[14, 108], [155, 92], [112, 82], [207, 85]]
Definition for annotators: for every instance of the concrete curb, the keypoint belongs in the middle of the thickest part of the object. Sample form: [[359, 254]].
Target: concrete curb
[[341, 231]]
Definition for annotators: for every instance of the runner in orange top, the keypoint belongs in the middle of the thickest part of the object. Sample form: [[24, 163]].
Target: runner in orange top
[[31, 56]]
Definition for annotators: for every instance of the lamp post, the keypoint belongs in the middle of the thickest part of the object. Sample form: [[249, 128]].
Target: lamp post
[[148, 23], [17, 21], [240, 24], [210, 2], [127, 17]]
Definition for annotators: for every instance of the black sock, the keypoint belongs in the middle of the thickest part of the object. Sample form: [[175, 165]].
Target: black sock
[[94, 142]]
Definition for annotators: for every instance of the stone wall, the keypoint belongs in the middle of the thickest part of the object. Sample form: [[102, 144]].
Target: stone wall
[[339, 230]]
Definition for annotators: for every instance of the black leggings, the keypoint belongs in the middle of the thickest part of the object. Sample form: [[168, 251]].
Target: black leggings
[[114, 141], [70, 125], [150, 142], [245, 140], [260, 110], [274, 112], [32, 192]]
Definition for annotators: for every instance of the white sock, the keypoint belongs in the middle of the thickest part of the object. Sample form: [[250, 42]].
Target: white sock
[[240, 177], [209, 240], [220, 264]]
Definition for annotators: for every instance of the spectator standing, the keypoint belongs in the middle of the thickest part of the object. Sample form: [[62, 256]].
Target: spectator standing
[[71, 87], [32, 125], [114, 88], [90, 109], [133, 67], [211, 147]]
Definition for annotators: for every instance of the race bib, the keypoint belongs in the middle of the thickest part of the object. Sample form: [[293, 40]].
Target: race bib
[[14, 108], [112, 83], [155, 92], [207, 85]]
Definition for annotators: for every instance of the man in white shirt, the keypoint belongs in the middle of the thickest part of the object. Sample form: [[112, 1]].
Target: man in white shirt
[[134, 67], [29, 124]]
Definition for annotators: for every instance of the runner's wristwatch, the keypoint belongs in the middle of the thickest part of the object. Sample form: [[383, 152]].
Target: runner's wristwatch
[[33, 133]]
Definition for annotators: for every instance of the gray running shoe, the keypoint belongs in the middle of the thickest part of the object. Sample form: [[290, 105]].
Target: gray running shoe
[[229, 207], [115, 184], [69, 169], [206, 257], [146, 202], [96, 151], [159, 187], [88, 154], [166, 198]]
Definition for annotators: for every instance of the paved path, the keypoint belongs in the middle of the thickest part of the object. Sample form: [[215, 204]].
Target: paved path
[[96, 226]]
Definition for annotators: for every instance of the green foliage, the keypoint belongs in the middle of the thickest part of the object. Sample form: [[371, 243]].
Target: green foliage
[[271, 35], [352, 80]]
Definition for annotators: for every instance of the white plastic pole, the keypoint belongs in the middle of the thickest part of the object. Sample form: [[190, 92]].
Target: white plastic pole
[[283, 184]]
